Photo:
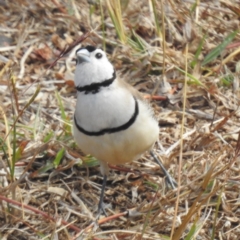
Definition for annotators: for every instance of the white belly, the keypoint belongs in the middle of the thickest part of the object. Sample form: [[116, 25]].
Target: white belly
[[123, 146]]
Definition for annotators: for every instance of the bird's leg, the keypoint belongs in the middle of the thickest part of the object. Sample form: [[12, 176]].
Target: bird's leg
[[171, 181], [105, 171], [101, 204]]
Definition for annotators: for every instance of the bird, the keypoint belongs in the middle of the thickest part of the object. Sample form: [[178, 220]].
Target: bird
[[112, 121]]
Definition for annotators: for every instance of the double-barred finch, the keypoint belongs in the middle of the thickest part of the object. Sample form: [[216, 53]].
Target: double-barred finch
[[112, 121]]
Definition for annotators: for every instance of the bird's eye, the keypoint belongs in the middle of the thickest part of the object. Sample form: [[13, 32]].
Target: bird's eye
[[98, 55]]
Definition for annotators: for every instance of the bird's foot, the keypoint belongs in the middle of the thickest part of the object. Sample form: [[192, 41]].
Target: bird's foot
[[170, 181], [101, 209]]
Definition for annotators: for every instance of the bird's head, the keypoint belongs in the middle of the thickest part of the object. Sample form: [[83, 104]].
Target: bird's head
[[92, 66]]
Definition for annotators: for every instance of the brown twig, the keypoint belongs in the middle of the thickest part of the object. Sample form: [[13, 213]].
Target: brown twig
[[45, 215]]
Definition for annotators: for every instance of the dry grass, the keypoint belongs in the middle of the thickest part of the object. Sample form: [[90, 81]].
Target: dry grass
[[186, 53]]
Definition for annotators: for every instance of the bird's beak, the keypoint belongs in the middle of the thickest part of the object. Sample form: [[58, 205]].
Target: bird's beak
[[83, 55]]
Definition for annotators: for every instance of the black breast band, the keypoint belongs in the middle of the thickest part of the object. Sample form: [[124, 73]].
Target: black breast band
[[114, 129]]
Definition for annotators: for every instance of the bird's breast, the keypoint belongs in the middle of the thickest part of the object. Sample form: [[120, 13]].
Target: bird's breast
[[106, 109]]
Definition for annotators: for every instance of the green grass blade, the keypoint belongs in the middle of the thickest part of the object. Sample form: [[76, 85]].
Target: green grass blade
[[156, 18], [198, 52], [48, 136], [218, 50], [63, 114], [3, 146], [137, 42], [191, 233], [219, 201], [90, 161], [114, 9], [152, 184], [194, 80], [49, 166], [103, 25], [59, 157], [14, 155]]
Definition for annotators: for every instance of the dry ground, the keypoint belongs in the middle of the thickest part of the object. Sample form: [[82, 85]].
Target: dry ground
[[184, 53]]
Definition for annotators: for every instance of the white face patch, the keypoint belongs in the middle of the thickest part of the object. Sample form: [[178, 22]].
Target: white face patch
[[92, 67]]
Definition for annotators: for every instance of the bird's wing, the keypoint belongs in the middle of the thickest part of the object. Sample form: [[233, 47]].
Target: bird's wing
[[138, 95]]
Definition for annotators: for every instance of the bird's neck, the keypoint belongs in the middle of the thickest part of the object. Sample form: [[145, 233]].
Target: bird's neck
[[95, 87]]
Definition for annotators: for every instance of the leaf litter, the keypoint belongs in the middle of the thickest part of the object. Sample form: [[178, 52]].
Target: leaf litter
[[51, 190]]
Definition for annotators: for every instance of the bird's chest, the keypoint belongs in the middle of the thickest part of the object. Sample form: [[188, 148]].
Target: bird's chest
[[105, 109]]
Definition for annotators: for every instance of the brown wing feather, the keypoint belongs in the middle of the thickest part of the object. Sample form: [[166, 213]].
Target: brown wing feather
[[133, 90]]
